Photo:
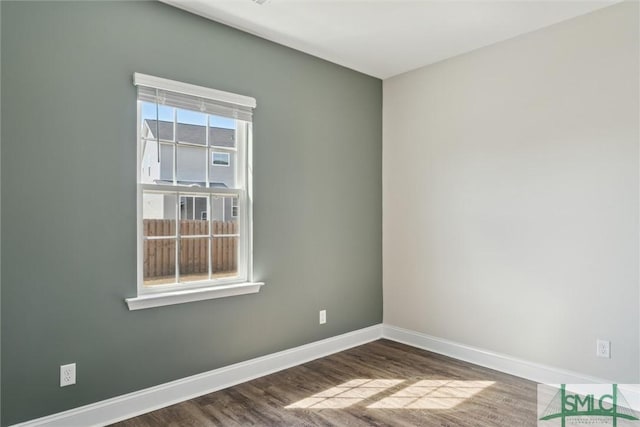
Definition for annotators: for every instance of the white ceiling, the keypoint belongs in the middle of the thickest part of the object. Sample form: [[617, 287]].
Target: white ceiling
[[383, 38]]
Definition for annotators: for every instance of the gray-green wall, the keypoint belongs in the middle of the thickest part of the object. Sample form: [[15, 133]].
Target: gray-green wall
[[0, 215], [68, 201]]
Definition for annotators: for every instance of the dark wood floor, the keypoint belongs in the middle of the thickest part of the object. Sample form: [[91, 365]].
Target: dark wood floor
[[382, 383]]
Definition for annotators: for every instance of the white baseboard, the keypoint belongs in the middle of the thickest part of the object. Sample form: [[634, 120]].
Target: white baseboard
[[143, 401], [500, 362]]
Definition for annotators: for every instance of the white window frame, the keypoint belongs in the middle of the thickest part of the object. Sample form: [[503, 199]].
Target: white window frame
[[181, 292], [213, 155]]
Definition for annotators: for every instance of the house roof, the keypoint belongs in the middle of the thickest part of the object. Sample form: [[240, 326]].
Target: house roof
[[194, 134]]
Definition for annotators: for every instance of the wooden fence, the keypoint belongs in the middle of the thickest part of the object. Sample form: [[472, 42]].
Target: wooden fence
[[160, 255]]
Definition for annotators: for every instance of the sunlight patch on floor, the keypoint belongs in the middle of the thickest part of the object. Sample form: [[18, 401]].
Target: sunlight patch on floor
[[346, 394], [432, 394], [423, 394]]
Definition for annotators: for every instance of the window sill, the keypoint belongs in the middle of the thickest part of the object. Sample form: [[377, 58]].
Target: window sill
[[178, 297]]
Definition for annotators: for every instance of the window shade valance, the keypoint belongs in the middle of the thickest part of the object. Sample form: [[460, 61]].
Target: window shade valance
[[192, 97]]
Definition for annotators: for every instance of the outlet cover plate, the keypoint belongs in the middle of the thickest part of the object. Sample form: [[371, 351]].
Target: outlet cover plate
[[67, 374], [603, 349]]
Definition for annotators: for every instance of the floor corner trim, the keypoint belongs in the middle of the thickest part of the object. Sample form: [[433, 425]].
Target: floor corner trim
[[488, 359], [139, 402]]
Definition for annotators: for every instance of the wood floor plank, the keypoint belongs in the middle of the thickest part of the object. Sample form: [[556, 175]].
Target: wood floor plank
[[382, 383]]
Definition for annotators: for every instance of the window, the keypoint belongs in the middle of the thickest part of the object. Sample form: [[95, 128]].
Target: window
[[194, 218], [220, 159], [234, 208]]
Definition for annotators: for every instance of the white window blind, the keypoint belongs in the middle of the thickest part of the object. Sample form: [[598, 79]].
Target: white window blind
[[191, 97]]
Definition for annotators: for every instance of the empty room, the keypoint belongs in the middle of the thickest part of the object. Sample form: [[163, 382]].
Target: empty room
[[320, 213]]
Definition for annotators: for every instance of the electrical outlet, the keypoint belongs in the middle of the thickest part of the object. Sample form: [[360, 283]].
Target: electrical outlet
[[67, 374], [603, 349], [323, 317]]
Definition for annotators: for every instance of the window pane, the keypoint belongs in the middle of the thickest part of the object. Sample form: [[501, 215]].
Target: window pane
[[159, 264], [151, 128], [192, 127], [222, 210], [193, 215], [222, 132], [165, 113], [224, 250], [234, 208], [192, 167], [166, 164], [222, 169], [194, 264], [156, 169], [159, 213], [221, 122], [224, 257]]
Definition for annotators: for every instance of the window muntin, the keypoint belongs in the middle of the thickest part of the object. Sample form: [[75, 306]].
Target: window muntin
[[194, 216]]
